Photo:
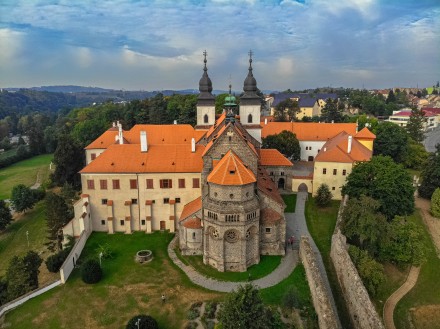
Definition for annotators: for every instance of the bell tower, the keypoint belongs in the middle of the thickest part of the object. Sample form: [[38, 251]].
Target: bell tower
[[206, 101]]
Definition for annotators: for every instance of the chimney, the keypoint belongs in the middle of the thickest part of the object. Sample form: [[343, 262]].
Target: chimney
[[265, 121], [325, 149], [175, 122], [350, 140], [114, 124], [357, 125], [120, 136], [144, 145], [193, 145]]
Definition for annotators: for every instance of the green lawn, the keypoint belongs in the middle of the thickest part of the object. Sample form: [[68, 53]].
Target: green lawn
[[290, 201], [267, 265], [427, 289], [24, 172], [13, 240]]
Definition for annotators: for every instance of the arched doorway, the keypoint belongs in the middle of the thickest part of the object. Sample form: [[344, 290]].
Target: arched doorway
[[281, 183], [303, 188]]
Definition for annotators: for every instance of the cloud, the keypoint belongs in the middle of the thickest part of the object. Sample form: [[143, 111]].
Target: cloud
[[12, 46]]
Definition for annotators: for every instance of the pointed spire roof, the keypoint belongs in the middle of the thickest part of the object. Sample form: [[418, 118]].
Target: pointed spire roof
[[205, 86], [231, 171], [250, 96]]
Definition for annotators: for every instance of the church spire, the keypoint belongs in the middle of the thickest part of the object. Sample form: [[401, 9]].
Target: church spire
[[205, 85]]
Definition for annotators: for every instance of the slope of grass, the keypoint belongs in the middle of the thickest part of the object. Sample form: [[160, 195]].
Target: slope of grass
[[290, 201], [24, 172]]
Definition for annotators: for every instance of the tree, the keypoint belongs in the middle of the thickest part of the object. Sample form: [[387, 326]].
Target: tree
[[57, 215], [5, 215], [391, 140], [383, 180], [245, 309], [417, 155], [22, 274], [415, 125], [68, 160], [286, 110], [323, 196], [430, 175], [3, 291], [331, 111], [435, 203], [142, 321], [391, 97], [285, 142], [91, 271], [22, 198]]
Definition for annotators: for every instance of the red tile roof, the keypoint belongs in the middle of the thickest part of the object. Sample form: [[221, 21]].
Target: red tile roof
[[268, 187], [191, 208], [231, 171], [335, 150], [272, 157], [365, 134], [270, 216], [103, 141], [193, 223], [164, 134]]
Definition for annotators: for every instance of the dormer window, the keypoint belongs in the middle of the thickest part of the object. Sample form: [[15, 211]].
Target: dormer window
[[232, 172]]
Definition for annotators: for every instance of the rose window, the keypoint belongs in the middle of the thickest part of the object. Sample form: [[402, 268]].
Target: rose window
[[231, 236]]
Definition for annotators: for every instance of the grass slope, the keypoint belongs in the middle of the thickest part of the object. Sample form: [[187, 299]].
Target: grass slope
[[290, 201], [24, 172]]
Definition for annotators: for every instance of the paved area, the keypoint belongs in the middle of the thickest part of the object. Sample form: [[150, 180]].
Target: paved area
[[390, 304]]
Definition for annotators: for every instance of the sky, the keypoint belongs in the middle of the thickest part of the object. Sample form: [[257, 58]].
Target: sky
[[159, 44]]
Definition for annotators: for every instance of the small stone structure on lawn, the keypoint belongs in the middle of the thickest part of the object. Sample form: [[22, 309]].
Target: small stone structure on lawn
[[144, 256]]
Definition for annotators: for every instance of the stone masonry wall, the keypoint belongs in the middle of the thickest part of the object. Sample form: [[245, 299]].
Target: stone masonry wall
[[362, 312], [320, 295]]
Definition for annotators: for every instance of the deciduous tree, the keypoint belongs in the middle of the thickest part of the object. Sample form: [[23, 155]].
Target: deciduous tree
[[22, 198], [68, 160], [415, 125], [285, 142], [286, 110], [391, 140], [5, 215], [435, 203], [57, 215], [22, 274], [430, 175], [331, 111]]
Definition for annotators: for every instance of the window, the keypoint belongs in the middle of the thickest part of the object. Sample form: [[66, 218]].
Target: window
[[122, 222], [177, 200], [324, 171], [102, 222], [166, 200], [194, 235], [310, 148], [250, 118], [134, 201], [149, 183], [196, 182], [116, 184], [133, 184], [205, 118], [181, 182], [104, 201], [282, 173], [335, 171], [90, 184], [93, 156], [103, 184], [344, 172], [333, 188], [271, 173], [267, 229], [143, 222], [166, 183]]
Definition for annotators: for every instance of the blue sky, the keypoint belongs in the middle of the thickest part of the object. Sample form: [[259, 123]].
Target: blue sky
[[153, 45]]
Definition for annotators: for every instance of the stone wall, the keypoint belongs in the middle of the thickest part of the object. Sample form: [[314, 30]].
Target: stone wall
[[320, 294], [362, 312]]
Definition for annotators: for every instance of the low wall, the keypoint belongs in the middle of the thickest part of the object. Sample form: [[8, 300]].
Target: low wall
[[362, 312], [69, 264], [17, 302], [320, 295]]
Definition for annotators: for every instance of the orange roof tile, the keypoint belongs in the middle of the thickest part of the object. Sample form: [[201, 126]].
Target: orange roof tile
[[164, 134], [268, 187], [270, 216], [309, 131], [212, 141], [231, 171], [217, 123], [365, 134], [191, 208], [335, 150], [128, 158], [104, 141], [272, 157], [193, 223]]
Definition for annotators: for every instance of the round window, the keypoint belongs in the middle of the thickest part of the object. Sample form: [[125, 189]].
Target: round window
[[214, 233], [231, 196], [231, 236]]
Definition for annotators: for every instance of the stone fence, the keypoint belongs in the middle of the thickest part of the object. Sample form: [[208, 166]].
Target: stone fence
[[320, 294], [362, 312]]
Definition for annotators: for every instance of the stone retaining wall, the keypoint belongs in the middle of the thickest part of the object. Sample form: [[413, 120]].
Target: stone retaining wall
[[320, 295], [362, 312]]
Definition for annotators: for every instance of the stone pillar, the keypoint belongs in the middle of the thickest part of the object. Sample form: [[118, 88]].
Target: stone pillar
[[110, 225], [148, 229], [172, 222], [149, 216], [110, 217], [128, 217]]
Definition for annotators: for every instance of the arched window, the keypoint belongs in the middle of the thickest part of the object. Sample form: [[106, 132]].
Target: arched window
[[205, 118], [250, 118]]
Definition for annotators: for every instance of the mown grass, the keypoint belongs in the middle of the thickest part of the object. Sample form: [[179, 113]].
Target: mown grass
[[13, 240], [24, 172], [290, 201], [266, 265], [427, 289]]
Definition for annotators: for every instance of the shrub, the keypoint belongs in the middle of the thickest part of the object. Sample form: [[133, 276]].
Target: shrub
[[435, 203], [191, 325], [54, 262], [91, 271], [210, 308], [145, 322], [323, 195]]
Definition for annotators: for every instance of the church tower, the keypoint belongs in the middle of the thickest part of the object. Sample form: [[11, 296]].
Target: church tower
[[250, 105], [206, 101]]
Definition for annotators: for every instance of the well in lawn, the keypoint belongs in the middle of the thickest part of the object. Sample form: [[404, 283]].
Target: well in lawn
[[24, 172]]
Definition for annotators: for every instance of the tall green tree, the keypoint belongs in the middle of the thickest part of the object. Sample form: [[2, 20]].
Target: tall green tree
[[417, 155], [391, 97], [323, 195], [286, 110], [22, 198], [68, 160], [57, 215], [5, 215], [391, 140], [435, 203], [430, 175], [415, 125], [285, 142], [383, 180], [22, 274], [331, 112]]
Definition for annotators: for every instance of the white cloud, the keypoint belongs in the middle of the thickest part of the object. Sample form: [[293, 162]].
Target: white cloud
[[12, 46]]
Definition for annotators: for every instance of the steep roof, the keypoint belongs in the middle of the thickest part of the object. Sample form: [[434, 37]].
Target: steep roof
[[306, 102], [365, 134], [268, 187], [191, 208], [335, 150], [309, 131], [164, 134], [193, 223], [104, 141], [128, 158], [272, 157], [270, 216], [231, 171]]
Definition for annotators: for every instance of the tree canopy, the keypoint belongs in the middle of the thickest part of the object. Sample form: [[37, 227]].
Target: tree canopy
[[383, 180], [22, 198], [435, 203], [430, 175], [57, 215], [331, 112], [69, 160], [5, 215], [286, 110], [285, 142], [415, 125], [22, 274], [391, 140]]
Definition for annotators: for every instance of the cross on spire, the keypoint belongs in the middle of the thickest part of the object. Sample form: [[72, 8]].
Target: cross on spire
[[205, 54], [250, 55]]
